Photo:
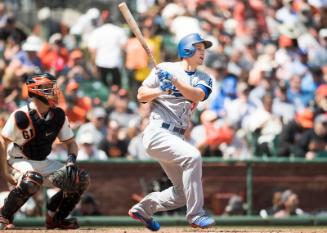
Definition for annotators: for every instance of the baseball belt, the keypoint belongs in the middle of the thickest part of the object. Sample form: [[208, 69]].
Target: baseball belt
[[175, 129]]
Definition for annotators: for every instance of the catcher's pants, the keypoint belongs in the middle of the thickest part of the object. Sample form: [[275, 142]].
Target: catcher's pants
[[45, 167], [182, 163]]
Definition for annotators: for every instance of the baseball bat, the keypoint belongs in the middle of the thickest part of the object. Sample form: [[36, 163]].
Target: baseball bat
[[136, 30]]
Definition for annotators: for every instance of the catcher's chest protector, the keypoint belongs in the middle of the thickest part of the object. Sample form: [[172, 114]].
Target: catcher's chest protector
[[45, 132]]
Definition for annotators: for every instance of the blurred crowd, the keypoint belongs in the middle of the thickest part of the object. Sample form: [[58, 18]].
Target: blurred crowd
[[268, 62]]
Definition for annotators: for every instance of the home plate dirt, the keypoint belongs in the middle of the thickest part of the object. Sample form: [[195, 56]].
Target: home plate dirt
[[165, 229]]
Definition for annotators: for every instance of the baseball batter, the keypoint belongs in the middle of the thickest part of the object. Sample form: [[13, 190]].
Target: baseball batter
[[174, 91], [28, 136]]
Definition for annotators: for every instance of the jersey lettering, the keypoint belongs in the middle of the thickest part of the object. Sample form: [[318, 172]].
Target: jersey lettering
[[175, 92], [27, 134]]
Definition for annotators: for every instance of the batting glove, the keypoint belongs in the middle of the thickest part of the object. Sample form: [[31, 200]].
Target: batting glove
[[164, 75], [166, 86], [165, 80]]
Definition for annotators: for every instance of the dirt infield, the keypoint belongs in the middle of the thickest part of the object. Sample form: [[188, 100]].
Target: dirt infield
[[182, 230]]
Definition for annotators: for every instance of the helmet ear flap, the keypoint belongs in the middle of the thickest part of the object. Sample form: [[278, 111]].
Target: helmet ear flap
[[189, 52], [185, 49]]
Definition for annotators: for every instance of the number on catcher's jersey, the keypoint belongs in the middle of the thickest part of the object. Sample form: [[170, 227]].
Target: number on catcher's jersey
[[27, 134]]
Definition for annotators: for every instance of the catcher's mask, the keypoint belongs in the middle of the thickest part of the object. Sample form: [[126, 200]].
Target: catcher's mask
[[43, 87]]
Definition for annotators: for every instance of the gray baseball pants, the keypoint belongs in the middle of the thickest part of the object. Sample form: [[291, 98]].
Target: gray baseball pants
[[182, 163]]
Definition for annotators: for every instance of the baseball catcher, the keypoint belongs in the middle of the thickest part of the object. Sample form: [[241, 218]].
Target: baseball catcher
[[174, 91], [28, 136]]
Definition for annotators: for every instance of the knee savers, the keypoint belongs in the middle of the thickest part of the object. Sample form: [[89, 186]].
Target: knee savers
[[31, 182]]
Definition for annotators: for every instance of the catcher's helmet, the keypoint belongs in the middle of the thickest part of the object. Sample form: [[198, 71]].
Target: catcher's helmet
[[43, 86], [186, 46]]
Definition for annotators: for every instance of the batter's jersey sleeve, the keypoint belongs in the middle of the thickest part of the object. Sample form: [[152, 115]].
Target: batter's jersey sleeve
[[204, 82], [152, 80], [66, 131]]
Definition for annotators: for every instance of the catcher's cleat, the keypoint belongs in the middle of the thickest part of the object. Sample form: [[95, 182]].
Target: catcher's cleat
[[151, 224], [68, 223], [6, 224], [204, 221]]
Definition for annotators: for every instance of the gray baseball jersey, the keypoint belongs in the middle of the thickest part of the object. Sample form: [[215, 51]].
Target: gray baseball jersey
[[175, 108]]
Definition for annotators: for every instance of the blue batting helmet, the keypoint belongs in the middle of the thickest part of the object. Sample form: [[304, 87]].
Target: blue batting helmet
[[186, 46]]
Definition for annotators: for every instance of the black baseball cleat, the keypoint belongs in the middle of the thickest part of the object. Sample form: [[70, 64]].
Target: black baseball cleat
[[68, 223]]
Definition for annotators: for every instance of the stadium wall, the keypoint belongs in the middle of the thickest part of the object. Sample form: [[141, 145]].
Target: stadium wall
[[115, 183]]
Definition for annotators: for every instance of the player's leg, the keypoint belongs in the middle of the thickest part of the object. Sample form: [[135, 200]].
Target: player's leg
[[171, 149], [63, 202], [58, 206], [28, 185], [168, 199], [190, 161], [70, 199], [54, 202]]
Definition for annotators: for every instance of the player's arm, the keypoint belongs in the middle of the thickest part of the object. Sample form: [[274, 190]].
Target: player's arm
[[147, 94], [66, 136], [3, 161], [150, 88], [71, 145], [194, 94]]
